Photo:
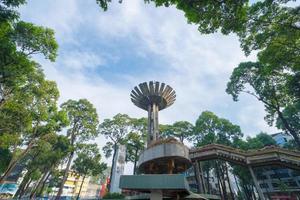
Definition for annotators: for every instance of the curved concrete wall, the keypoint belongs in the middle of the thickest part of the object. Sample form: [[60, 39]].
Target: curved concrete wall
[[164, 151]]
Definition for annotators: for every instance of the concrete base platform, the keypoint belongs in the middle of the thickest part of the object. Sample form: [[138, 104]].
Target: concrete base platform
[[160, 186]]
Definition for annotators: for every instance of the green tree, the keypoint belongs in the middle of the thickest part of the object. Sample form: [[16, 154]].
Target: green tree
[[88, 163], [210, 129], [272, 89], [48, 160], [210, 16], [115, 130], [181, 130], [135, 143], [38, 99], [18, 41], [136, 140], [83, 119], [49, 151]]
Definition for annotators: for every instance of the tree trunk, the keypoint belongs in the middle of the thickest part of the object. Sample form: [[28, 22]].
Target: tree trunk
[[13, 164], [223, 182], [246, 192], [112, 166], [80, 188], [202, 177], [197, 176], [43, 184], [25, 189], [228, 180], [181, 139], [21, 187], [23, 183], [33, 193], [64, 177], [135, 160], [219, 182], [237, 185], [207, 180]]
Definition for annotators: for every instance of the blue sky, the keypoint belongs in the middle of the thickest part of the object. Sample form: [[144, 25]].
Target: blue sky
[[103, 55]]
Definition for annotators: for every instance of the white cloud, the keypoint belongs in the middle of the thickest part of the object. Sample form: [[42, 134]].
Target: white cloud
[[79, 60]]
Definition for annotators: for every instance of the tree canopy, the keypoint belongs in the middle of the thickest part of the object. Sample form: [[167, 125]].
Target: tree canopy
[[210, 128]]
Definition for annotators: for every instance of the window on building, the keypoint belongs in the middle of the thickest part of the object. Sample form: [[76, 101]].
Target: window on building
[[291, 184], [275, 185], [264, 185]]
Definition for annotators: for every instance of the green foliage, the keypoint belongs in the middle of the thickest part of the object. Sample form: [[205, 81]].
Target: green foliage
[[210, 128], [273, 89], [83, 120], [115, 130], [210, 16], [181, 130], [113, 196], [135, 143], [272, 28], [32, 39], [18, 41], [261, 140], [7, 11], [88, 161], [135, 140], [5, 157]]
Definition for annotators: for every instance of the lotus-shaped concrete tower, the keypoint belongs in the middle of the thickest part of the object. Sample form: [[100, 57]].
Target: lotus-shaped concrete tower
[[152, 97]]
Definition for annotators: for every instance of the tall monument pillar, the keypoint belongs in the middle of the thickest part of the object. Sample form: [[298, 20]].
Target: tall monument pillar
[[153, 97], [161, 165]]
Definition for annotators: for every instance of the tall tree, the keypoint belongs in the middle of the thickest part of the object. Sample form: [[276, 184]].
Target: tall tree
[[18, 41], [136, 140], [135, 143], [210, 129], [115, 130], [38, 98], [272, 89], [88, 163], [49, 158], [181, 130], [83, 119]]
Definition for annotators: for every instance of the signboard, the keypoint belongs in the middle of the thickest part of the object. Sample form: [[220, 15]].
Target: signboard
[[118, 169]]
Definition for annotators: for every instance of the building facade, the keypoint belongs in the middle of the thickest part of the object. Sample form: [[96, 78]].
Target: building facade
[[277, 182]]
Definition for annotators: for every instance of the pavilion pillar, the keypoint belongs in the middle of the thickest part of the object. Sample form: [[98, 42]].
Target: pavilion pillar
[[199, 178], [258, 189], [156, 195]]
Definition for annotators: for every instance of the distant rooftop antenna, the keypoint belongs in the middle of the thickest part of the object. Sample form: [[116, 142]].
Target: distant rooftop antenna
[[152, 97]]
